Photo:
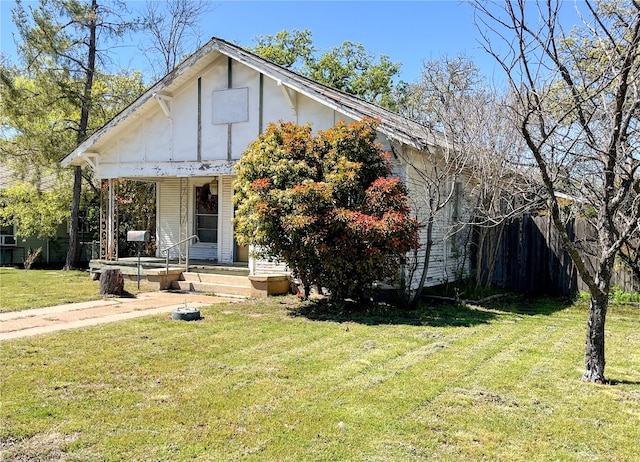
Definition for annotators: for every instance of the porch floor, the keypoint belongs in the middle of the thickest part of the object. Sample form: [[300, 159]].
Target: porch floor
[[130, 264]]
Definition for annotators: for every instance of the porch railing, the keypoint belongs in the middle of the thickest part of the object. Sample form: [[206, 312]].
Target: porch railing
[[186, 260]]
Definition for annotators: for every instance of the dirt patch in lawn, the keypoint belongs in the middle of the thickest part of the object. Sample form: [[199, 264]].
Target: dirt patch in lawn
[[41, 447]]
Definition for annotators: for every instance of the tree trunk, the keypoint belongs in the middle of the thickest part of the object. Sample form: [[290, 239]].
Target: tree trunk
[[594, 352], [72, 253], [111, 282], [425, 264]]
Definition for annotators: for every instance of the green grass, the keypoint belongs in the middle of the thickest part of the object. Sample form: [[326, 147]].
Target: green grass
[[270, 380], [23, 290]]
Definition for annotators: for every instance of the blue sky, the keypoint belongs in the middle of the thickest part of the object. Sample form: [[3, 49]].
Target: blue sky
[[409, 32]]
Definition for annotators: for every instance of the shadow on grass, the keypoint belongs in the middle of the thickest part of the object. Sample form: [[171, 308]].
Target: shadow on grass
[[526, 305], [433, 314], [623, 382]]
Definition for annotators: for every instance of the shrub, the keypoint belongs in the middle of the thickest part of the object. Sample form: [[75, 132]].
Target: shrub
[[326, 205]]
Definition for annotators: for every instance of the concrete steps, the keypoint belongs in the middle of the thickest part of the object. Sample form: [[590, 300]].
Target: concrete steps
[[219, 284], [227, 280]]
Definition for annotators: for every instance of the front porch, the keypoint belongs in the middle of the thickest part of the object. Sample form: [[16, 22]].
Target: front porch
[[201, 276], [155, 263]]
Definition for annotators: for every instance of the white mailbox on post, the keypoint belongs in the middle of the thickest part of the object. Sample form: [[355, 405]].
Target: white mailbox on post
[[139, 237]]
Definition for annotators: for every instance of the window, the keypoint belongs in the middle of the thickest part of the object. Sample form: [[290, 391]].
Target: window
[[207, 212], [7, 236]]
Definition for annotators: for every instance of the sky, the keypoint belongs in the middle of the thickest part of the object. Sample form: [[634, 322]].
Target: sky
[[408, 32]]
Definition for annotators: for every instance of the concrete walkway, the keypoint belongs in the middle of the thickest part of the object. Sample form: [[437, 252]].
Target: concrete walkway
[[40, 321]]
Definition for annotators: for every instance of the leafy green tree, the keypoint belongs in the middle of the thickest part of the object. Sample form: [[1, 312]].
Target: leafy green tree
[[289, 49], [325, 205], [39, 125], [35, 124], [347, 67], [59, 45], [34, 212], [351, 69], [38, 128]]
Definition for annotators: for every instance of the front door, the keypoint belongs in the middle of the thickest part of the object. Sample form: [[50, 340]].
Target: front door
[[206, 220]]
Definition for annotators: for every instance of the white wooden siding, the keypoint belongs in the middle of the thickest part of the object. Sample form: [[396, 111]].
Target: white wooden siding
[[184, 114], [244, 133], [159, 137], [275, 105], [131, 147], [309, 111], [168, 219], [445, 262], [214, 137], [267, 267]]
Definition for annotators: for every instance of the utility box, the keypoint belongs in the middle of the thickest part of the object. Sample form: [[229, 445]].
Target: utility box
[[138, 236]]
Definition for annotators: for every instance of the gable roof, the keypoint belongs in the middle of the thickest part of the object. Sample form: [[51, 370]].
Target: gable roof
[[394, 126]]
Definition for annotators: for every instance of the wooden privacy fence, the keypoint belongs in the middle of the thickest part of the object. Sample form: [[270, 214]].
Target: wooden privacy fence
[[526, 255]]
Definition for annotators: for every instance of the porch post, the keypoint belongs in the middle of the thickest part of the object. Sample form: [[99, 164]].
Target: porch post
[[112, 223], [103, 221], [184, 218]]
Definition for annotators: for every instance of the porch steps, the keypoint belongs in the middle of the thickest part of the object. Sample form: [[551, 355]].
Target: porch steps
[[229, 280], [219, 284], [224, 270]]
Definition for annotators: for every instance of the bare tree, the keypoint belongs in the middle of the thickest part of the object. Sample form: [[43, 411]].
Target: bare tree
[[470, 180], [173, 26], [577, 102], [504, 186]]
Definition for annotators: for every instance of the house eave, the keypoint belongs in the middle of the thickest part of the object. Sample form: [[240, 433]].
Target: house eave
[[74, 159]]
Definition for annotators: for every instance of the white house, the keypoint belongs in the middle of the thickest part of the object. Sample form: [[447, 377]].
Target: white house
[[189, 129]]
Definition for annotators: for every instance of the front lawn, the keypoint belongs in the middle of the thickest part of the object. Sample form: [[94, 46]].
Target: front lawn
[[25, 289], [266, 380]]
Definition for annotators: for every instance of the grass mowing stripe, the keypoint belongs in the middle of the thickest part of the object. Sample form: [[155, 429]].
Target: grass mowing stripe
[[512, 417], [323, 419], [539, 343], [386, 405], [357, 406], [493, 404], [484, 347], [363, 364]]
